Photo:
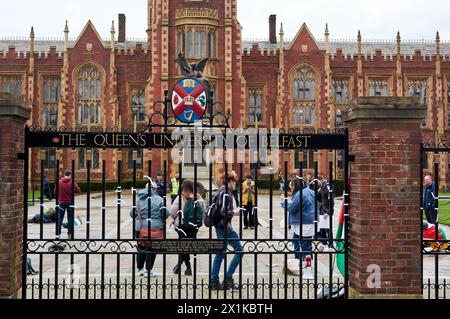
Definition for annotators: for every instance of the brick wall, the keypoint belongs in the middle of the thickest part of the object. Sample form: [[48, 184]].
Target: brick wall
[[385, 199], [11, 197]]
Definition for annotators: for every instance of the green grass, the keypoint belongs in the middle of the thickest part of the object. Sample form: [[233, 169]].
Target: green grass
[[444, 212], [37, 195]]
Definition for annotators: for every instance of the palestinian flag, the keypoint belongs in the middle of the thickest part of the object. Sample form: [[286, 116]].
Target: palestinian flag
[[77, 221], [340, 258]]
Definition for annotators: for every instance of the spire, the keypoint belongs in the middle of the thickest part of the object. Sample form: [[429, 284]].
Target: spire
[[399, 41], [113, 36], [438, 46], [66, 28], [32, 33], [327, 34], [359, 44], [281, 38], [66, 36]]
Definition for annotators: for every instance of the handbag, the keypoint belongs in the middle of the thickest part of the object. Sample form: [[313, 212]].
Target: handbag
[[144, 236]]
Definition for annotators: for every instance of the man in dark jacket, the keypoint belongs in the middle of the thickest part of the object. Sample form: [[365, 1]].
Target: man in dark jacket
[[66, 202], [429, 200], [161, 185], [326, 207]]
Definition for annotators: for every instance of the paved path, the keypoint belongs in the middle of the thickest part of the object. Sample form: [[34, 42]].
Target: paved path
[[118, 269]]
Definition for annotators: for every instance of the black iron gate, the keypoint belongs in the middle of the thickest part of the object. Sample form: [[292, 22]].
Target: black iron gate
[[434, 222], [99, 262]]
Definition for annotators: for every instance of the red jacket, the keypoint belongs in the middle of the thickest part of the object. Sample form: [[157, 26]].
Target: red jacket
[[65, 190]]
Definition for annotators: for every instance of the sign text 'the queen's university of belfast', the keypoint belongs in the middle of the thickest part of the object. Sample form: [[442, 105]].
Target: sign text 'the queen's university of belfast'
[[208, 145]]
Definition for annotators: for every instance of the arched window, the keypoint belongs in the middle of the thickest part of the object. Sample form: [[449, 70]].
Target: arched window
[[11, 84], [138, 104], [304, 96], [201, 42], [89, 95], [51, 97], [83, 159]]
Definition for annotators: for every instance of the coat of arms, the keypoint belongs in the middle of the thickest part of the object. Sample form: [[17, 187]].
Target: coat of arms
[[190, 94]]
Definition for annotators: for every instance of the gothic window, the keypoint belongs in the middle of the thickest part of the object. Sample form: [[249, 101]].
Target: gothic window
[[378, 87], [139, 159], [138, 104], [340, 95], [418, 88], [201, 42], [89, 96], [255, 105], [11, 84], [306, 158], [83, 160], [181, 41], [448, 102], [50, 158], [304, 97], [51, 97]]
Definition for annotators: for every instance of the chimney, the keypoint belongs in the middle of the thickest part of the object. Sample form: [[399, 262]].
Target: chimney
[[122, 24], [273, 29]]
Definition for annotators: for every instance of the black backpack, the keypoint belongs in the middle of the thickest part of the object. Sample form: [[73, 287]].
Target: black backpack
[[215, 212]]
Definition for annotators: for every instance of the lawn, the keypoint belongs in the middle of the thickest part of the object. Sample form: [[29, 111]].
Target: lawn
[[37, 195], [444, 212]]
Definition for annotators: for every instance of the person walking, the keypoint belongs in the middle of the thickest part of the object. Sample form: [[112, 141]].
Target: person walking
[[66, 202], [429, 200], [223, 200], [47, 190], [174, 187], [281, 182], [161, 185], [145, 223], [248, 195], [184, 230], [304, 232], [326, 209]]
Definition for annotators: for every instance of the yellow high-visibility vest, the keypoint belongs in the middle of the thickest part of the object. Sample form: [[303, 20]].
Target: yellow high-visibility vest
[[175, 186]]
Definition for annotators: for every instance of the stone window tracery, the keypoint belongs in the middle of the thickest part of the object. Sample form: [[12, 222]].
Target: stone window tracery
[[304, 96], [51, 97], [89, 95], [11, 84], [255, 105]]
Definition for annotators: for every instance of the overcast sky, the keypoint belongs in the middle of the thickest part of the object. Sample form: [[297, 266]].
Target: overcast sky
[[377, 19]]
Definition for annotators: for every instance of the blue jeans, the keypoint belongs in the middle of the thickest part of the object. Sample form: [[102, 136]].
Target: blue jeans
[[60, 218], [220, 232], [302, 248]]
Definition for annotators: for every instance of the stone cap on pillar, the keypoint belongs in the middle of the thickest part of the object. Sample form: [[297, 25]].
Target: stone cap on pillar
[[385, 109], [12, 106]]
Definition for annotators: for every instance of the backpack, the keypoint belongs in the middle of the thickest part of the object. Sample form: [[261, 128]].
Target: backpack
[[192, 215], [216, 211]]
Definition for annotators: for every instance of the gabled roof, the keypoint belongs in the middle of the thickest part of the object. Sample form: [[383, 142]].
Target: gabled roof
[[89, 26], [304, 32]]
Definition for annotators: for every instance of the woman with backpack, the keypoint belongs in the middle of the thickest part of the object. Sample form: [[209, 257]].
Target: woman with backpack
[[141, 217], [223, 201], [187, 213]]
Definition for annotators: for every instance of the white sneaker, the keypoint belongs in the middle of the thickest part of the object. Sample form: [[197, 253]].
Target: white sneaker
[[140, 272], [307, 273], [148, 274]]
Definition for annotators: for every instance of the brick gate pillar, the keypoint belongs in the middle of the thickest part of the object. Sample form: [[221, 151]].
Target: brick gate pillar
[[384, 236], [13, 115]]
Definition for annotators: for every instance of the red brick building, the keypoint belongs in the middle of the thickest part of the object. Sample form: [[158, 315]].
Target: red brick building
[[302, 83]]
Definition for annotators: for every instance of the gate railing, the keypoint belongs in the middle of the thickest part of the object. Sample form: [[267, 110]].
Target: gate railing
[[435, 248]]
